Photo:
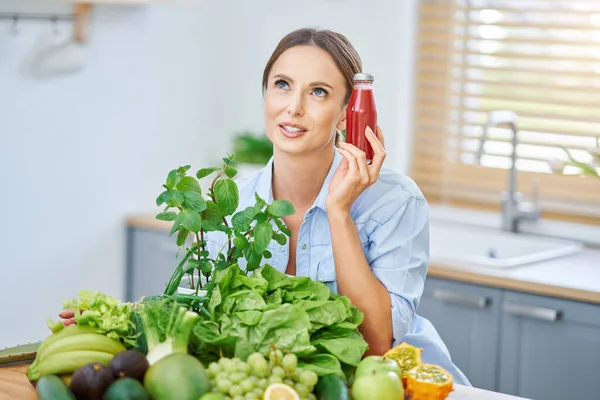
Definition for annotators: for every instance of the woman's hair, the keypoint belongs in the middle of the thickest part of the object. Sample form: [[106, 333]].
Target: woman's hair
[[337, 45]]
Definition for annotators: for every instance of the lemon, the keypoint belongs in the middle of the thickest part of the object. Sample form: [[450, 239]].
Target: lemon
[[280, 391]]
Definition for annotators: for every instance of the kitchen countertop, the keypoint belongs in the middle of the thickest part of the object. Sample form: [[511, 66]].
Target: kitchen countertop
[[15, 386], [575, 277]]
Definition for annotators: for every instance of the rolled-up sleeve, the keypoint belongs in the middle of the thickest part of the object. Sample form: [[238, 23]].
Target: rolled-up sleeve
[[399, 256]]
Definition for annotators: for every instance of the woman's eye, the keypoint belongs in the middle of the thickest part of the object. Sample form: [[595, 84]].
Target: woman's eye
[[320, 92], [281, 84]]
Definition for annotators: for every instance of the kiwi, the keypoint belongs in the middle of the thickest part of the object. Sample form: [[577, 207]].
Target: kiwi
[[129, 364]]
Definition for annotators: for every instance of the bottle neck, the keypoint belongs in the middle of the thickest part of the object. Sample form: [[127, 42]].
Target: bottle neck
[[363, 85]]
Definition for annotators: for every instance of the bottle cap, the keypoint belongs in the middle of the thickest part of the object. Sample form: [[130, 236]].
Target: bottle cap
[[363, 76]]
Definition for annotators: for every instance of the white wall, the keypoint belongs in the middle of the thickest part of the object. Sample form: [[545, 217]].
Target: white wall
[[163, 86]]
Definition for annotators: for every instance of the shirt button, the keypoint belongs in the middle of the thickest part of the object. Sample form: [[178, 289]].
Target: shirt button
[[304, 246]]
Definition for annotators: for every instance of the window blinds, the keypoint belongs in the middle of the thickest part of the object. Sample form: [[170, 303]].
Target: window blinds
[[540, 59]]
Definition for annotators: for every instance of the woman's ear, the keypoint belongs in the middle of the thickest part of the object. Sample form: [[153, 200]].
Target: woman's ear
[[341, 125]]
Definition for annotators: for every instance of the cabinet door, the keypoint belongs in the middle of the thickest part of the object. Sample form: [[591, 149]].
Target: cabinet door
[[467, 317], [550, 348], [152, 258]]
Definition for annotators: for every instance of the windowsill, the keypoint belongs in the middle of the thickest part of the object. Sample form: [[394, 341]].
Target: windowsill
[[589, 235]]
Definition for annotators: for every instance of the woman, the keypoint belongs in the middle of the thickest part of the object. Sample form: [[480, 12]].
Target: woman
[[360, 228]]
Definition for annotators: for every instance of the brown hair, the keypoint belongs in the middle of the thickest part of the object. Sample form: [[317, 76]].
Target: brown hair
[[337, 45]]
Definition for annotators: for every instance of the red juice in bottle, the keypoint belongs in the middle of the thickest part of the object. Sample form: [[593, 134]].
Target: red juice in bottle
[[360, 113]]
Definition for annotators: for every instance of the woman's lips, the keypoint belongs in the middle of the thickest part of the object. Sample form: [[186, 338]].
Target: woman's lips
[[291, 135]]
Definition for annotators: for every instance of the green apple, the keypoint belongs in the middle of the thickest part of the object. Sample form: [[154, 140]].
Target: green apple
[[378, 385], [377, 363]]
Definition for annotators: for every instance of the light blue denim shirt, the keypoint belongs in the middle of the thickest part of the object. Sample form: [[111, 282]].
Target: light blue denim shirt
[[392, 221]]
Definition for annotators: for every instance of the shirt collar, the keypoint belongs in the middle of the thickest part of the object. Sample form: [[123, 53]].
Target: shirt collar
[[265, 182]]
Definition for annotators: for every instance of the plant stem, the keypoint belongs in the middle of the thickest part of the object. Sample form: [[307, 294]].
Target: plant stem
[[199, 267], [192, 275], [177, 275]]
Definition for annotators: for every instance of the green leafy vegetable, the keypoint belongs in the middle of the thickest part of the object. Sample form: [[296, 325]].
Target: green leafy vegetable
[[252, 313], [108, 315]]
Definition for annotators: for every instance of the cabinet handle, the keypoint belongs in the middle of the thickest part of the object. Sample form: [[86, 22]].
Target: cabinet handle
[[463, 299], [535, 312]]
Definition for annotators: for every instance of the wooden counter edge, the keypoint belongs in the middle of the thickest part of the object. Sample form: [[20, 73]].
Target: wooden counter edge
[[466, 276]]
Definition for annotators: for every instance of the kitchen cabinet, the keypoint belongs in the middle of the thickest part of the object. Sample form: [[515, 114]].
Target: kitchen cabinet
[[467, 317], [550, 348], [522, 344], [151, 259]]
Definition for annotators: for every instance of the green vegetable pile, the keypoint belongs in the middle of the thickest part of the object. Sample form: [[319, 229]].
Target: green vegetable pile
[[105, 313], [296, 314]]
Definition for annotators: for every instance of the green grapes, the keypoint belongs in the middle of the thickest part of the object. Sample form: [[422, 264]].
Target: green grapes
[[236, 379]]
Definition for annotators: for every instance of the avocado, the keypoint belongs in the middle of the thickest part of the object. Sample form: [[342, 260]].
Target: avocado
[[91, 381], [178, 376], [126, 389], [130, 364]]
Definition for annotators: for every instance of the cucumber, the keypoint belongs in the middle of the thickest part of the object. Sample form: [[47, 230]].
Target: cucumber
[[331, 387], [51, 387]]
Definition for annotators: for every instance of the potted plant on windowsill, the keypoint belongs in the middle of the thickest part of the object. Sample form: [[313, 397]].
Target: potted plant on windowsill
[[592, 168], [252, 151], [248, 232]]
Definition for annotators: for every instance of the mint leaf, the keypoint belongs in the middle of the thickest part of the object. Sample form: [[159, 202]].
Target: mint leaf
[[204, 172], [253, 258], [161, 198], [171, 179], [166, 216], [263, 233], [173, 198], [192, 264], [267, 254], [206, 266], [181, 236], [210, 225], [212, 212], [261, 217], [280, 208], [190, 184], [182, 170], [191, 220], [242, 219], [281, 225], [229, 161], [240, 242], [279, 238], [226, 196], [230, 172], [176, 224], [194, 201]]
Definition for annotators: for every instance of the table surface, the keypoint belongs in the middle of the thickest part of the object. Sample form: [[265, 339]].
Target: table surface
[[15, 386]]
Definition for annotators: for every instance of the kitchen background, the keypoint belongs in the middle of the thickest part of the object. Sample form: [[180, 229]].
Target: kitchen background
[[87, 137]]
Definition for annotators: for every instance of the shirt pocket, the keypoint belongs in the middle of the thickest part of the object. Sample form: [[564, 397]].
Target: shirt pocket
[[326, 271], [326, 267]]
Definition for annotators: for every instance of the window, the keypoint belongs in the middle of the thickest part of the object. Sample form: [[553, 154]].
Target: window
[[539, 59]]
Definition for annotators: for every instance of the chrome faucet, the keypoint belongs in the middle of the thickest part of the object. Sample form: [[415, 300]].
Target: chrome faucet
[[514, 209]]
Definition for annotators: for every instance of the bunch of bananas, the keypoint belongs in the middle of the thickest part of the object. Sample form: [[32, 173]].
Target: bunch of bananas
[[71, 348]]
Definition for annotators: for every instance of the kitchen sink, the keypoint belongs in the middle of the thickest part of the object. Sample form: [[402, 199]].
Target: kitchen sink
[[462, 244]]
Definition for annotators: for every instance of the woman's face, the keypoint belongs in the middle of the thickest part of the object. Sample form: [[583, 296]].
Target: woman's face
[[304, 100]]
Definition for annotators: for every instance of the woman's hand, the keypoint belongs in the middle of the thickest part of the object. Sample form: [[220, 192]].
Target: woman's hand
[[354, 174], [68, 317]]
